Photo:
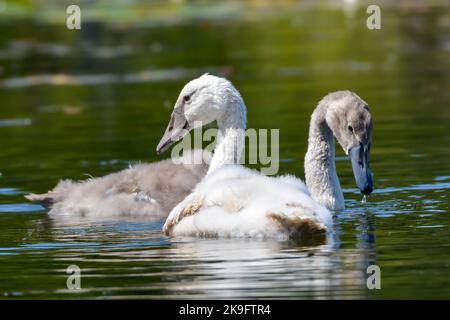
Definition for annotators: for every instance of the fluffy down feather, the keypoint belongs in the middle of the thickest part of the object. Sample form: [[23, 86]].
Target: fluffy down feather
[[235, 201], [144, 190]]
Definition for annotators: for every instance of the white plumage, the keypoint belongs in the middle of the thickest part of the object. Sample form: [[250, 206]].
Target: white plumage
[[235, 201]]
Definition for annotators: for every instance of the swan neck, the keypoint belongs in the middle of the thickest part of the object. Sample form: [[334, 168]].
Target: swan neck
[[320, 168], [231, 136]]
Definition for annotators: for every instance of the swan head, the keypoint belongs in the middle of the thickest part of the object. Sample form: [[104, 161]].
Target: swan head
[[201, 101], [349, 118]]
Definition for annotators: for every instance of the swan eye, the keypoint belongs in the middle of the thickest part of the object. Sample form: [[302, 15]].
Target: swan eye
[[350, 128], [187, 98]]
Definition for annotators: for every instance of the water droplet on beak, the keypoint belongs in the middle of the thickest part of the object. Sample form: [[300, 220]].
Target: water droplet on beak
[[364, 199]]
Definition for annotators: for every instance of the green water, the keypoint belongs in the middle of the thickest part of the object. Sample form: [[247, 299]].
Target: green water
[[110, 104]]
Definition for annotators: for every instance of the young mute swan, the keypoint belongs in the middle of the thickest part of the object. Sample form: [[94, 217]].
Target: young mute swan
[[141, 191], [233, 201]]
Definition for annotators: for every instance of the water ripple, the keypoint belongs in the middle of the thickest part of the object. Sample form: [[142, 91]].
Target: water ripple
[[154, 75], [20, 207], [15, 122]]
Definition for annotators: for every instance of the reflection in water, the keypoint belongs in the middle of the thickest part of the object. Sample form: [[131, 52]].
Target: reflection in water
[[261, 269], [210, 268], [72, 221]]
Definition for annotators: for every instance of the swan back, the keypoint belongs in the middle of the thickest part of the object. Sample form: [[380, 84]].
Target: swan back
[[238, 202], [143, 190]]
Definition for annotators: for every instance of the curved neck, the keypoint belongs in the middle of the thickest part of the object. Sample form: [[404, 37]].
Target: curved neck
[[320, 169], [231, 136]]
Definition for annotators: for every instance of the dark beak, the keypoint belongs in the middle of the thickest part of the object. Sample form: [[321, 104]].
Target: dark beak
[[359, 157], [178, 127]]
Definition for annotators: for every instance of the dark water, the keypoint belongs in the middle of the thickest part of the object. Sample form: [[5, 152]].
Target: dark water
[[92, 101]]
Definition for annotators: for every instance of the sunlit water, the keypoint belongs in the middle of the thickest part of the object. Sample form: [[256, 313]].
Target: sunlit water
[[92, 102]]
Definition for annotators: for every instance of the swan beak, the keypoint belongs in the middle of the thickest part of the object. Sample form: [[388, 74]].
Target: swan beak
[[178, 127], [359, 156]]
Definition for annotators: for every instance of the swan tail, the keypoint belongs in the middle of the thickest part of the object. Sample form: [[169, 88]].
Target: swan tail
[[304, 229], [61, 190], [45, 199]]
